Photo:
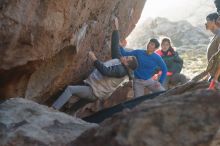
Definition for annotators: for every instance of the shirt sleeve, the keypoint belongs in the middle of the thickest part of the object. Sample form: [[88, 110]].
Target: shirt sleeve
[[128, 53], [117, 71]]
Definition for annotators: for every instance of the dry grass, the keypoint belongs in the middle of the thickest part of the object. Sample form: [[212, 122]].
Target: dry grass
[[194, 59]]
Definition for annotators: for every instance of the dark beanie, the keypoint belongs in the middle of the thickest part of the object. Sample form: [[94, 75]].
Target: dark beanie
[[133, 64], [217, 5], [212, 17]]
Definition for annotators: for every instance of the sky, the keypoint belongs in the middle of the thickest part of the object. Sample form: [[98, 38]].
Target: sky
[[175, 10]]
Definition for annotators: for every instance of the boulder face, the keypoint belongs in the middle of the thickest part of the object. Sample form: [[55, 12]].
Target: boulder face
[[25, 123], [44, 44], [190, 119]]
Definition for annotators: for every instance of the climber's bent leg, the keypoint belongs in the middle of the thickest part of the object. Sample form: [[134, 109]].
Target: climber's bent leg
[[84, 92]]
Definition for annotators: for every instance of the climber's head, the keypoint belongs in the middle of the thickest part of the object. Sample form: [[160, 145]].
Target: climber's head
[[130, 62], [211, 22], [152, 45]]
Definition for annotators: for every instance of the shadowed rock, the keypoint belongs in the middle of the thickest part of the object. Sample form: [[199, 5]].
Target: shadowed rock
[[25, 123], [190, 119]]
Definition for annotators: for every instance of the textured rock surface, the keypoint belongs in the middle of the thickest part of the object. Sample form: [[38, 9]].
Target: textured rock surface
[[190, 119], [39, 40], [122, 94], [25, 123]]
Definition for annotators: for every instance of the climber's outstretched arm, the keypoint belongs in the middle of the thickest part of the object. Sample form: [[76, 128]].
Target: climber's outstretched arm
[[217, 74], [115, 52]]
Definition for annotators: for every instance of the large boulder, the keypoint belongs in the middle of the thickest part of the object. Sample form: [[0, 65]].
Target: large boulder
[[44, 44], [25, 123], [190, 119]]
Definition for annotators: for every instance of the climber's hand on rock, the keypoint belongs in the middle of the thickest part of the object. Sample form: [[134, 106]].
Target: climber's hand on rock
[[92, 56], [115, 23]]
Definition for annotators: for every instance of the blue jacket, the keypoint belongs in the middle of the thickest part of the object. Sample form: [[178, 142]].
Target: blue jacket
[[146, 64]]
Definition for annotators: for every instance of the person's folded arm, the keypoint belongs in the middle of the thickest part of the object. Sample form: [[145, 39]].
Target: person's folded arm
[[177, 58], [217, 73], [176, 66]]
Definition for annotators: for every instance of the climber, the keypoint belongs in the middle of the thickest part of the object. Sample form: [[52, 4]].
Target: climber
[[172, 60], [148, 61], [105, 79]]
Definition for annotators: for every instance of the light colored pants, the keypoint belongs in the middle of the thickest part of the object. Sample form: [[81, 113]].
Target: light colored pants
[[150, 84], [84, 92], [166, 82]]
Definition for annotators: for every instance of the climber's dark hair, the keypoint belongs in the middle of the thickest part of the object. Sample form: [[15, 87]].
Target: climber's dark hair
[[166, 40], [169, 41], [212, 17], [133, 64], [155, 41]]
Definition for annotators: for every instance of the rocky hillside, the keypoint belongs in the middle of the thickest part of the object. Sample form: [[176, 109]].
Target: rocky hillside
[[44, 44], [182, 33]]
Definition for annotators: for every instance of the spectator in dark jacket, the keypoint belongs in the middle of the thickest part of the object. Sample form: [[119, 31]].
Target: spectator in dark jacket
[[105, 79], [171, 58]]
